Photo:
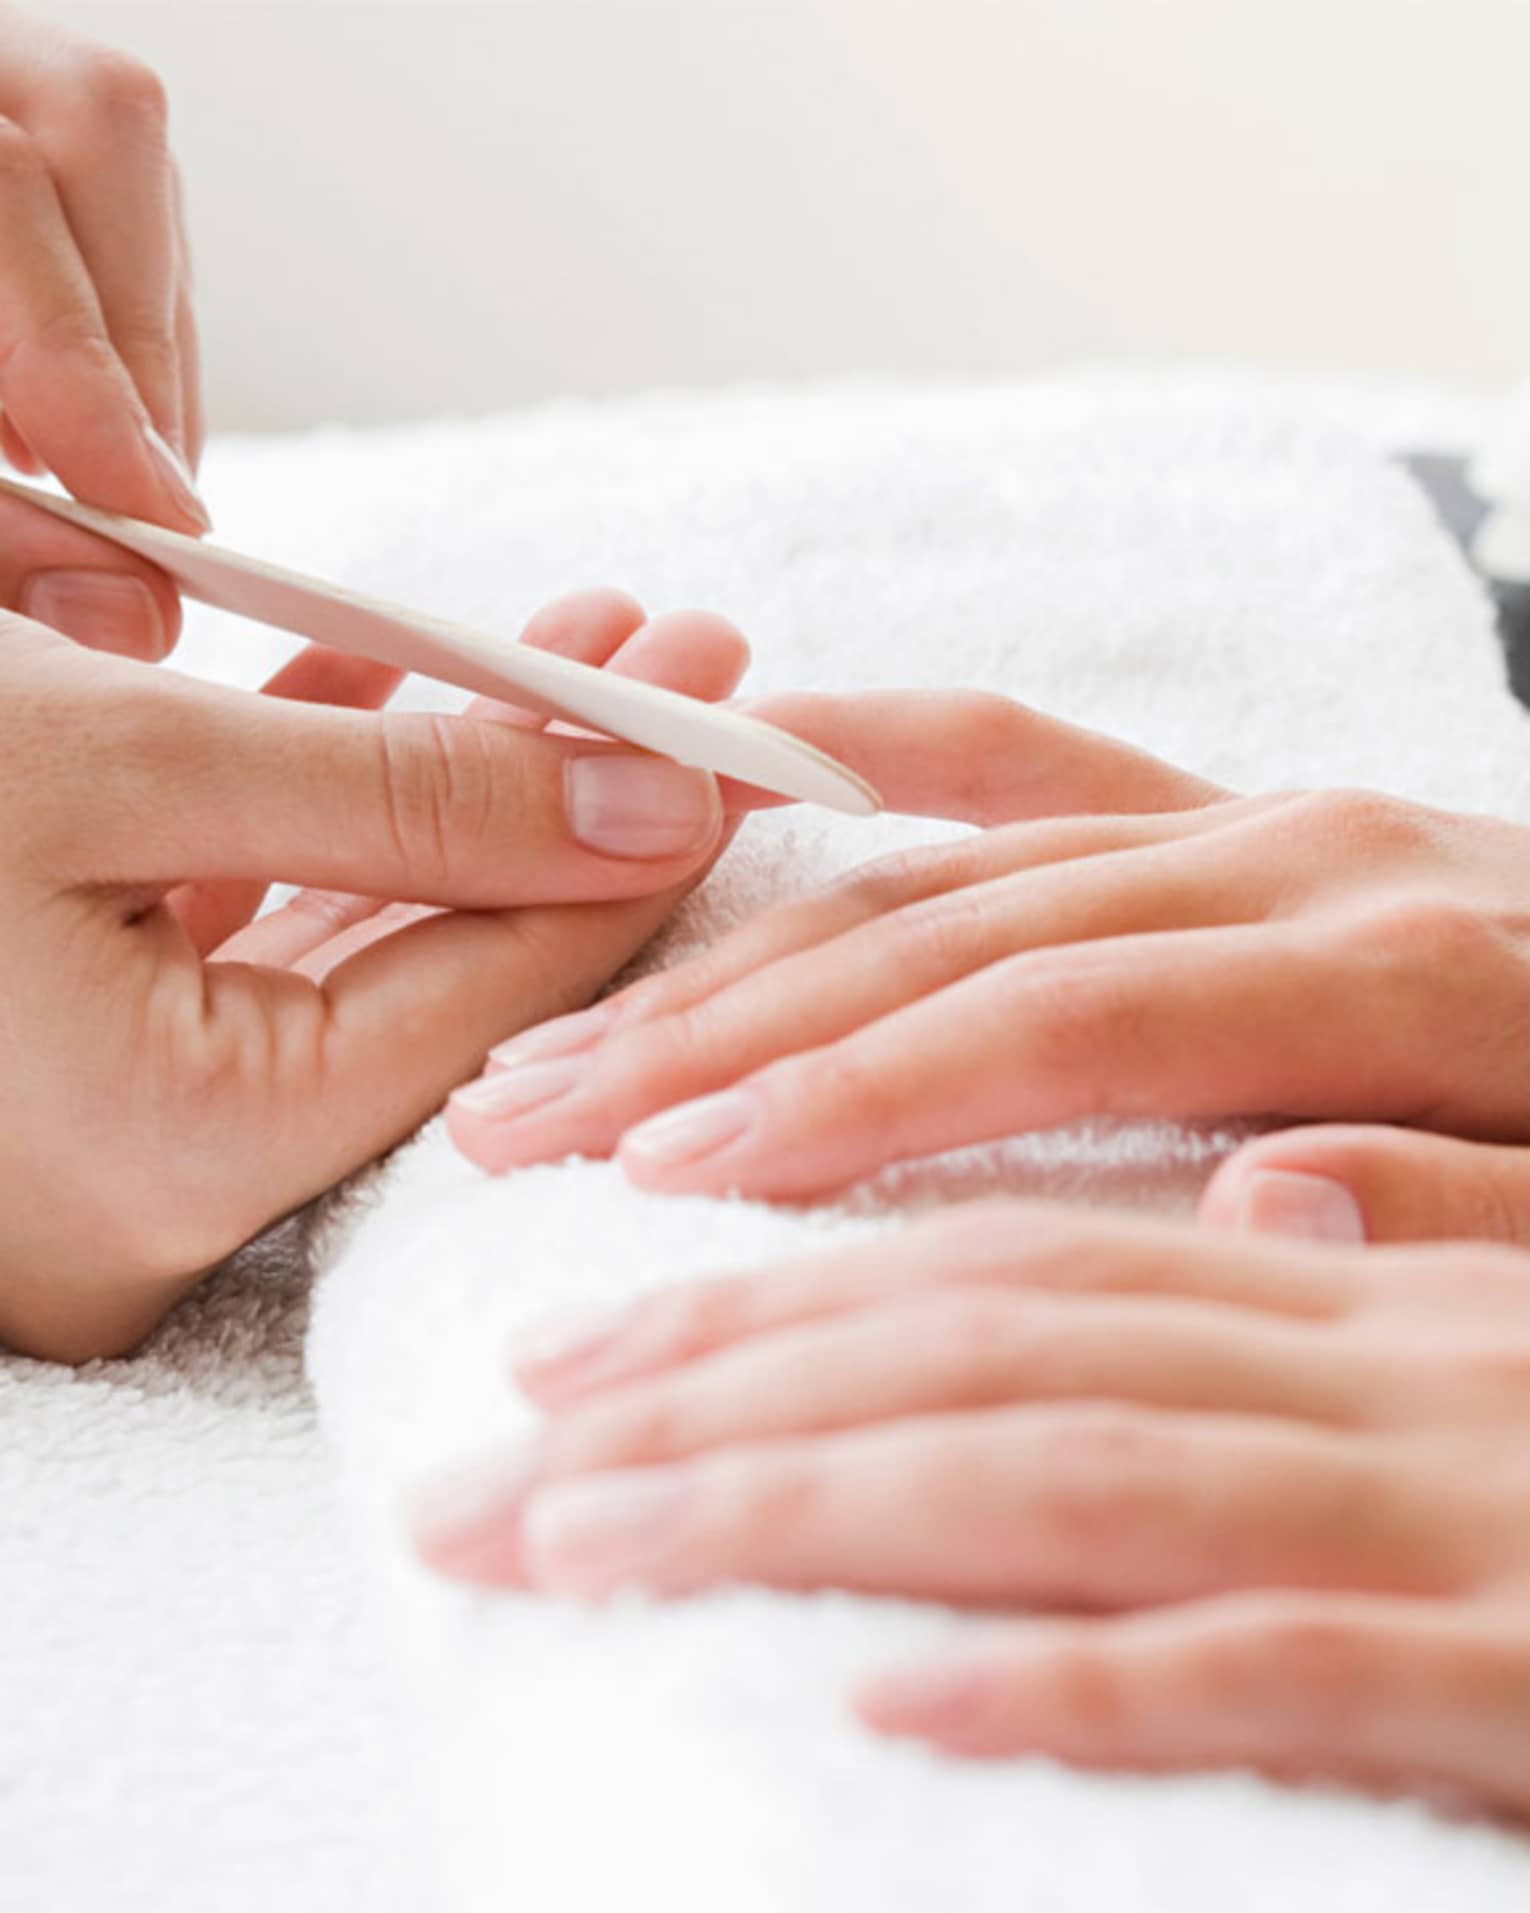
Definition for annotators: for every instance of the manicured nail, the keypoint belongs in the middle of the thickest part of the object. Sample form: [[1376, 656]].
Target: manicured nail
[[177, 476], [510, 1092], [561, 1036], [592, 1537], [566, 1337], [691, 1131], [104, 609], [640, 806], [465, 1521], [1290, 1203], [930, 1701]]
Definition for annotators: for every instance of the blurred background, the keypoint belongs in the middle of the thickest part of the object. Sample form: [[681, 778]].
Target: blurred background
[[412, 207]]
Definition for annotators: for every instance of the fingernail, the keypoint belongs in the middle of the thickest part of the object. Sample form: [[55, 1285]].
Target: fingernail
[[510, 1092], [103, 609], [1290, 1203], [465, 1520], [691, 1131], [562, 1036], [593, 1537], [640, 806], [566, 1337], [177, 475], [933, 1700]]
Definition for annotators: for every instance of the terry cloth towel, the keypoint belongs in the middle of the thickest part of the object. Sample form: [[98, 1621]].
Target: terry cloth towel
[[1193, 564]]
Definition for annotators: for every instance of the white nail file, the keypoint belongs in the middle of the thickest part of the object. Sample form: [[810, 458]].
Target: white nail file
[[705, 735]]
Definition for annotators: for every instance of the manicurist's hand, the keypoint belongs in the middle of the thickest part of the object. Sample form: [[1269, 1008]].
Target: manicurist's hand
[[1119, 939], [176, 1076], [99, 380], [1267, 1504]]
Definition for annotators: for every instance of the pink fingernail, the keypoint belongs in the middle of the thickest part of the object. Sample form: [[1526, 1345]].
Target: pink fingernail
[[1287, 1202], [591, 1537], [693, 1130], [104, 609], [641, 806], [512, 1092], [561, 1036], [567, 1337], [465, 1521], [930, 1701]]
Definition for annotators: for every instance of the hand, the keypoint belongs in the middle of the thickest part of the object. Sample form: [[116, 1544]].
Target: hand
[[1187, 953], [99, 378], [167, 1098], [1275, 1497]]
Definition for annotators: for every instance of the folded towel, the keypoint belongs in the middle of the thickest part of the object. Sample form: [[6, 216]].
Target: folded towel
[[1187, 564]]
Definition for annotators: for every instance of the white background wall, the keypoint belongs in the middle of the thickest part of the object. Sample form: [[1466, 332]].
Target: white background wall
[[438, 205]]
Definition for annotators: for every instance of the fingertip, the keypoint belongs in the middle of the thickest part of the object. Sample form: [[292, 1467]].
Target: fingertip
[[580, 623]]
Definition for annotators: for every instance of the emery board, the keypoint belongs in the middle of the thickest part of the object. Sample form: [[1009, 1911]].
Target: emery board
[[708, 736]]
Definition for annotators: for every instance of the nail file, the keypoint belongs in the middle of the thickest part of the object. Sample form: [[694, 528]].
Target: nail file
[[705, 735]]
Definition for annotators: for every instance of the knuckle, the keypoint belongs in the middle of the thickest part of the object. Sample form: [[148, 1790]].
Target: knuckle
[[1082, 1020], [1102, 1473], [437, 796], [1359, 823], [1436, 932], [1289, 1653], [839, 1080]]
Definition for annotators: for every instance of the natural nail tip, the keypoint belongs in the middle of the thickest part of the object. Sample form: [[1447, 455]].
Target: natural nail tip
[[178, 474], [1289, 1202], [568, 1335], [513, 1092]]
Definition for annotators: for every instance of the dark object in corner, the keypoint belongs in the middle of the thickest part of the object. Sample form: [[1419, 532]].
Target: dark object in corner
[[1444, 479]]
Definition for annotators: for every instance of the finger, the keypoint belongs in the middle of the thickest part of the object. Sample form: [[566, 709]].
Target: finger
[[212, 912], [691, 652], [1387, 1694], [875, 891], [1081, 1506], [1023, 1248], [818, 996], [1245, 1020], [420, 808], [1353, 1184], [101, 127], [62, 383], [978, 758], [965, 1351], [80, 585]]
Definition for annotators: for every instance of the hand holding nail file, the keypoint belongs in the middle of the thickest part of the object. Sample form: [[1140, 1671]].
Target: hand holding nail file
[[703, 735]]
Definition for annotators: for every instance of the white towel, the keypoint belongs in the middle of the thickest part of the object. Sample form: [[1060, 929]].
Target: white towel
[[1257, 598], [198, 1717]]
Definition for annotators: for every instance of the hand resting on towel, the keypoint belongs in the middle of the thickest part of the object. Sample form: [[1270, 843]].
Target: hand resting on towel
[[178, 1076], [1120, 939], [1235, 1502]]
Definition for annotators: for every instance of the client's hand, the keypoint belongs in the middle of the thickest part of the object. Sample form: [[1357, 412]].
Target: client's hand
[[166, 1098], [1156, 947], [99, 379], [1296, 1478]]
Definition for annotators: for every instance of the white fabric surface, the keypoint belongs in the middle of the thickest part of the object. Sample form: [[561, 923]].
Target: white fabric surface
[[199, 1712]]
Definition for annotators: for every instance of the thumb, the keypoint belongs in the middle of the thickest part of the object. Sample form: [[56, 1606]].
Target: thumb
[[187, 780], [1353, 1184]]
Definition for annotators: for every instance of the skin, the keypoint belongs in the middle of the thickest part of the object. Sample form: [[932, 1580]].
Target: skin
[[1221, 1501], [1118, 938], [99, 378]]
